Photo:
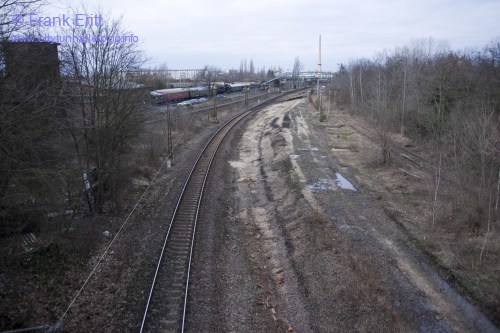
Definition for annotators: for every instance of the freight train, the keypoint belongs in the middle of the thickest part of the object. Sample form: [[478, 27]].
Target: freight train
[[180, 94], [177, 94]]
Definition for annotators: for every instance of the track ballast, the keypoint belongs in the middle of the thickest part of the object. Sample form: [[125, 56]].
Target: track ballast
[[165, 309]]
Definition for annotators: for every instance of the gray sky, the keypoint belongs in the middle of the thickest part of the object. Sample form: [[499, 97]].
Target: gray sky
[[193, 33]]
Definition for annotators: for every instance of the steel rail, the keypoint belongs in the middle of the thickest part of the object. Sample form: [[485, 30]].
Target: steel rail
[[183, 225]]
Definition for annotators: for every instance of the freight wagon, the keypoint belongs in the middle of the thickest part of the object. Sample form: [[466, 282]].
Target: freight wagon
[[177, 94], [169, 95], [197, 92]]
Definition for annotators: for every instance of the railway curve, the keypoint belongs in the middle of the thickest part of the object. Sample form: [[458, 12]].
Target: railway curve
[[165, 308]]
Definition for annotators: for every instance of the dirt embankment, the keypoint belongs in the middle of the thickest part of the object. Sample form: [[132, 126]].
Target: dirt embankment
[[321, 250]]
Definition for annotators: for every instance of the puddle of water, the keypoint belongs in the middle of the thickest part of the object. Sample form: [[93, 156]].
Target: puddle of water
[[344, 226], [321, 185], [326, 184], [295, 157], [343, 183], [309, 149]]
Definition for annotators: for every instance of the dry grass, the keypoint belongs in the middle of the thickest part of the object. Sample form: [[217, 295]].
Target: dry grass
[[455, 240]]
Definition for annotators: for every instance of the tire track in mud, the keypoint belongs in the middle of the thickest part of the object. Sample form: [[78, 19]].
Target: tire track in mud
[[281, 292], [321, 265]]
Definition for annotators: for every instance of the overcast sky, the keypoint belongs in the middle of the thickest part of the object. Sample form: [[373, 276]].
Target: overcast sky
[[192, 33]]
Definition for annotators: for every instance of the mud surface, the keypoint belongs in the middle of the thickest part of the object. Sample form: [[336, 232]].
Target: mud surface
[[293, 241]]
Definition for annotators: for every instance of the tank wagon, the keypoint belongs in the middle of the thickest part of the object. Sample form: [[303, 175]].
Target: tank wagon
[[197, 92]]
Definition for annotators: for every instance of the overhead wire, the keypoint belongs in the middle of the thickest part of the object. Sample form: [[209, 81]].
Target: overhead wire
[[61, 318]]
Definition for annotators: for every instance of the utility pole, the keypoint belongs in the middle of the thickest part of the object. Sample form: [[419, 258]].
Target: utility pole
[[404, 95], [404, 99], [246, 98], [214, 113], [319, 75], [170, 150], [329, 102]]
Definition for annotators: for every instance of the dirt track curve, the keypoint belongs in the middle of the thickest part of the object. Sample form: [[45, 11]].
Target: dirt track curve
[[288, 245]]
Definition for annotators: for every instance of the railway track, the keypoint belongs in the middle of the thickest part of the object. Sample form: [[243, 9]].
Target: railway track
[[403, 153], [406, 155], [219, 107], [165, 309]]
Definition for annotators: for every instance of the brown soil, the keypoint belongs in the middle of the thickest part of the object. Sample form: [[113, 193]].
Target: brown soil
[[294, 251]]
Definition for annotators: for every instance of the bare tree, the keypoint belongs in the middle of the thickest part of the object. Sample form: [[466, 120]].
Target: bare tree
[[297, 68], [383, 106], [252, 68], [12, 13], [208, 75], [109, 112], [451, 101], [241, 72]]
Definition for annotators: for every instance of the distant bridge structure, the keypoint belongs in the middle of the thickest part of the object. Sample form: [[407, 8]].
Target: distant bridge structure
[[303, 77], [190, 74], [175, 74]]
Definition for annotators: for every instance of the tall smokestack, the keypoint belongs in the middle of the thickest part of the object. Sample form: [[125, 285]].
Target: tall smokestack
[[319, 56], [319, 71]]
